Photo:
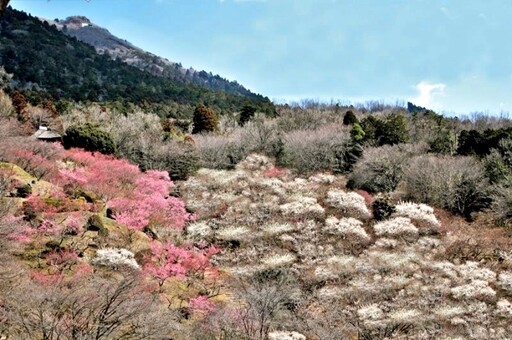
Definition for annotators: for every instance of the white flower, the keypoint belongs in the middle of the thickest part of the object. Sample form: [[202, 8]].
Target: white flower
[[448, 312], [235, 233], [349, 227], [504, 308], [371, 312], [470, 271], [350, 203], [114, 258], [279, 260], [388, 243], [505, 281], [421, 214], [322, 179], [324, 273], [399, 226], [285, 335], [278, 228], [199, 229], [302, 205], [476, 289], [406, 316]]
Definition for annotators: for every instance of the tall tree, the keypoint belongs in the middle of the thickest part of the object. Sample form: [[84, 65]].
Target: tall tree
[[3, 6]]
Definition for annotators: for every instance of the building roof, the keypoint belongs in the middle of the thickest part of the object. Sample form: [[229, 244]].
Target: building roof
[[45, 133]]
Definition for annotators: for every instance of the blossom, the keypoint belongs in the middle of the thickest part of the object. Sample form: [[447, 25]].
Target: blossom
[[115, 258], [350, 203], [396, 227], [349, 227]]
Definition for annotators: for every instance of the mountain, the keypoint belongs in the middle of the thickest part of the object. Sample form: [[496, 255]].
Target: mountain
[[45, 62], [104, 42]]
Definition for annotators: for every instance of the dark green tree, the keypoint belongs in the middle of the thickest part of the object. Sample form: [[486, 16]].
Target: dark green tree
[[89, 137], [205, 119], [246, 114], [393, 131], [350, 118]]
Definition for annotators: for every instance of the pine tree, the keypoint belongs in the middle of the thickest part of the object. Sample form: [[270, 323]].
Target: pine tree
[[205, 119], [20, 107], [246, 114]]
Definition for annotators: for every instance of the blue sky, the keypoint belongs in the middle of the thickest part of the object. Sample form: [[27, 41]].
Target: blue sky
[[449, 55]]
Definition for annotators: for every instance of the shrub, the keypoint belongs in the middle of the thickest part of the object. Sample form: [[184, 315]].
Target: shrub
[[24, 191], [458, 184], [221, 152], [350, 203], [421, 214], [349, 118], [382, 209], [246, 114], [6, 108], [89, 137], [397, 227], [381, 169], [316, 150], [205, 119], [390, 131], [115, 258], [498, 164], [502, 205]]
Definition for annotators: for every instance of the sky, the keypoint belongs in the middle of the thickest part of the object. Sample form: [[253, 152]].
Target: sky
[[453, 56]]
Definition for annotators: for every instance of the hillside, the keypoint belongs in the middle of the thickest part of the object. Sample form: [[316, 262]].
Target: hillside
[[105, 43], [48, 63], [266, 253]]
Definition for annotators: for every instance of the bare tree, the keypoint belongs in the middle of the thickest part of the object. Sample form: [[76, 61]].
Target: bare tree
[[88, 308]]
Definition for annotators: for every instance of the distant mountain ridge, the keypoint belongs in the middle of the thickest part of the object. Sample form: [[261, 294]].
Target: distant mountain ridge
[[104, 42], [45, 62]]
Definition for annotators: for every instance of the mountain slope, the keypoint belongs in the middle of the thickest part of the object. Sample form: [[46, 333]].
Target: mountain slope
[[104, 42], [44, 60]]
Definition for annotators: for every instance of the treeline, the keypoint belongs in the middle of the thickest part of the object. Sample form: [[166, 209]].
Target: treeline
[[46, 62]]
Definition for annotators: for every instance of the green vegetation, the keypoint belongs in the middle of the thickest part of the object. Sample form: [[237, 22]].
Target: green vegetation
[[47, 63], [205, 119], [89, 137]]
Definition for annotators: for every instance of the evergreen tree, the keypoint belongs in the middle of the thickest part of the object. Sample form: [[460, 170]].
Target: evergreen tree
[[20, 107], [89, 137], [205, 119], [247, 113], [349, 118]]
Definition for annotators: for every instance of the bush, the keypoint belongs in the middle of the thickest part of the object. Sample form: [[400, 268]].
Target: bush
[[458, 184], [498, 164], [473, 142], [502, 205], [380, 169], [205, 119], [221, 152], [246, 114], [390, 131], [24, 191], [349, 118], [316, 150], [382, 209], [89, 137]]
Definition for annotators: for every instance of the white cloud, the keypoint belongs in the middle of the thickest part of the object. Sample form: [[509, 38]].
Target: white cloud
[[428, 95]]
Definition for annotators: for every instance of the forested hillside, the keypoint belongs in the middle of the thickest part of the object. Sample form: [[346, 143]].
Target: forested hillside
[[45, 62], [106, 43]]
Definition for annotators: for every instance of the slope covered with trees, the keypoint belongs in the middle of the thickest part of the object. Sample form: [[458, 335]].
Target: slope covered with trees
[[47, 63], [106, 43]]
